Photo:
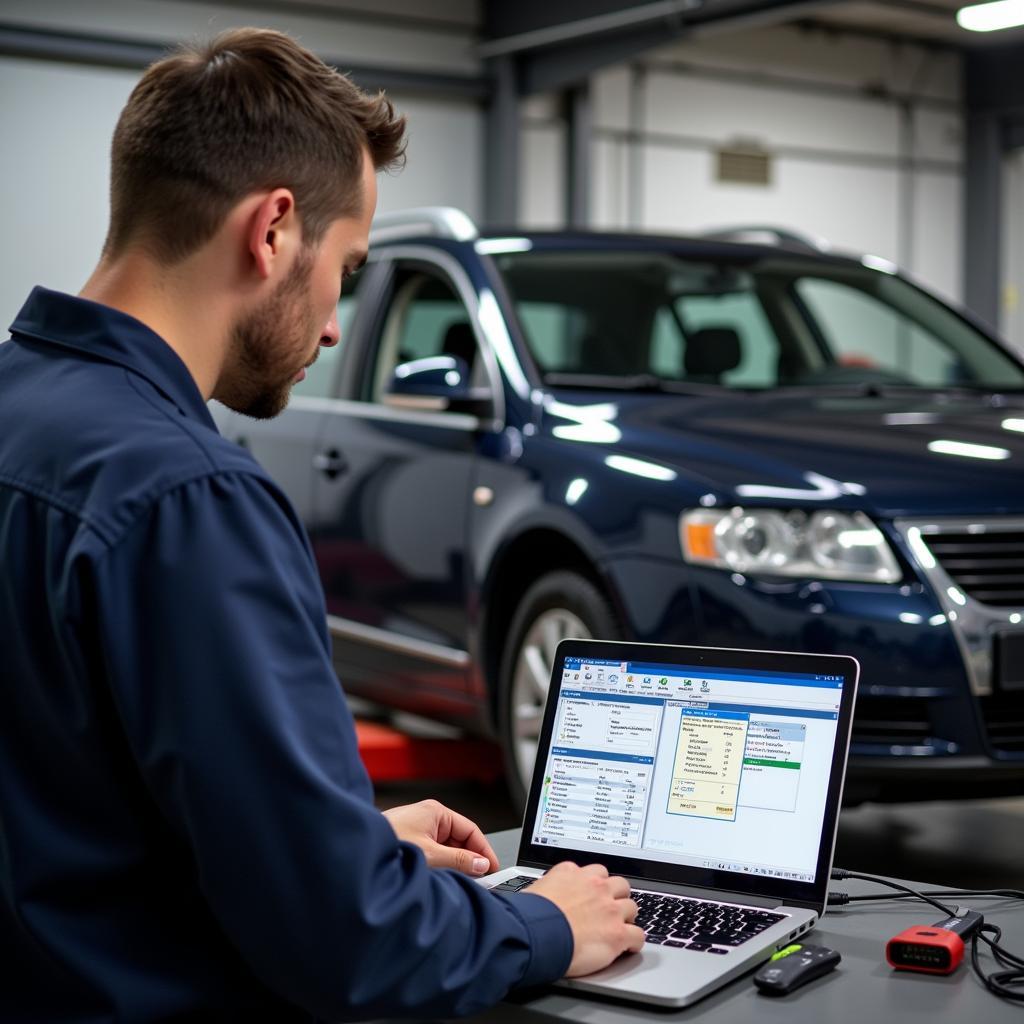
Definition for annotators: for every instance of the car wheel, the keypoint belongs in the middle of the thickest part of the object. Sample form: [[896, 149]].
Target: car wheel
[[557, 606]]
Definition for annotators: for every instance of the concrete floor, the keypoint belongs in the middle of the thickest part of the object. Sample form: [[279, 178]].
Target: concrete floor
[[974, 844]]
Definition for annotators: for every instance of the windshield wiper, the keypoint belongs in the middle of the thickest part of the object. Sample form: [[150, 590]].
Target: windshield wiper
[[877, 389], [637, 382]]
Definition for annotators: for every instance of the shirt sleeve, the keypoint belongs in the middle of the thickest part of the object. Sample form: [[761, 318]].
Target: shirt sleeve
[[218, 659]]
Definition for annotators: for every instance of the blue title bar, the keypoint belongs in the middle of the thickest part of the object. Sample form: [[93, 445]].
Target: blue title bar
[[613, 698], [746, 710], [739, 675], [709, 713], [601, 755]]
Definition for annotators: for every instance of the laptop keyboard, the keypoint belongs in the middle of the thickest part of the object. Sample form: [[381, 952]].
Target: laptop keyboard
[[684, 922]]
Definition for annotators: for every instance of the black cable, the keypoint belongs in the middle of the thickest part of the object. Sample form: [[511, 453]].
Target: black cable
[[841, 873], [840, 899], [1006, 984]]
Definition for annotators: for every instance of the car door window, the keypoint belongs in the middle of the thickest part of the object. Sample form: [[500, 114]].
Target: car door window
[[321, 377], [426, 318]]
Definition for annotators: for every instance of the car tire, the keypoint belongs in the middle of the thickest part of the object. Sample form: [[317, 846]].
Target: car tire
[[559, 605]]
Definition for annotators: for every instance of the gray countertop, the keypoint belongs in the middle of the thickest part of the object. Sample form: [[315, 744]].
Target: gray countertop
[[862, 989]]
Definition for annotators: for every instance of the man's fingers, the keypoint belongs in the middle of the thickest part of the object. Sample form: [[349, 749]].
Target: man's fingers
[[618, 887], [466, 861], [636, 939], [595, 869], [467, 834]]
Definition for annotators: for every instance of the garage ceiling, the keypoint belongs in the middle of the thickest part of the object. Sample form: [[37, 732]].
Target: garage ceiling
[[922, 20], [933, 20]]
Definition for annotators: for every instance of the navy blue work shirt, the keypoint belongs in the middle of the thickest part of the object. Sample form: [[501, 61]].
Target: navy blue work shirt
[[186, 829]]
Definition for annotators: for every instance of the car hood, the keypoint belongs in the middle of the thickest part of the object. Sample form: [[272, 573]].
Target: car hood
[[912, 455]]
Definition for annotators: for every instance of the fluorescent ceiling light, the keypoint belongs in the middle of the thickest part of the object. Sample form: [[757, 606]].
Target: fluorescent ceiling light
[[967, 450], [640, 467], [495, 246], [990, 17]]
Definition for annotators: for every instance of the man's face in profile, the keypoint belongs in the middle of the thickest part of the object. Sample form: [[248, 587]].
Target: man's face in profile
[[273, 344]]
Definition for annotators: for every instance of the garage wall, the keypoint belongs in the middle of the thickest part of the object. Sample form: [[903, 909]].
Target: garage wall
[[1012, 304], [865, 140], [57, 119]]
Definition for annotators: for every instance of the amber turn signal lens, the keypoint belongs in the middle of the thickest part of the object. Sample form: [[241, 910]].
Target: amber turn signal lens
[[700, 541]]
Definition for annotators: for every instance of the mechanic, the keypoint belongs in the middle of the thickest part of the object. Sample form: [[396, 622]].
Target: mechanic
[[186, 830]]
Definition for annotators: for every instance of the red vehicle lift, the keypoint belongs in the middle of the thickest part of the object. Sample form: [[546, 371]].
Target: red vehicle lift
[[394, 756]]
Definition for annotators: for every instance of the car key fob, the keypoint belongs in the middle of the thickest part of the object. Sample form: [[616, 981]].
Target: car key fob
[[793, 966]]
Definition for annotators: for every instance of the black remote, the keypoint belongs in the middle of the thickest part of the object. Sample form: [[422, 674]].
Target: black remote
[[793, 966]]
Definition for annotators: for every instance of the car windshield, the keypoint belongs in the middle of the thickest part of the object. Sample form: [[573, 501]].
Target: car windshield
[[650, 317]]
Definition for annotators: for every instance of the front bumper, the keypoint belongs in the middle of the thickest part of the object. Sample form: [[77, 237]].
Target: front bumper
[[920, 732]]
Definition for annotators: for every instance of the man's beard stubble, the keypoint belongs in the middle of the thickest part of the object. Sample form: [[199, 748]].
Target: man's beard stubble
[[269, 346]]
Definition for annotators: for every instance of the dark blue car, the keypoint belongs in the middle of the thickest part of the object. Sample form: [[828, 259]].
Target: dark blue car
[[524, 437]]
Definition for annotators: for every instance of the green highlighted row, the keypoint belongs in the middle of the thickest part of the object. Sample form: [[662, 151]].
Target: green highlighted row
[[764, 763]]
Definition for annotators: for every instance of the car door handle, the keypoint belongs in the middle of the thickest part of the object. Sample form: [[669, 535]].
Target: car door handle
[[331, 463]]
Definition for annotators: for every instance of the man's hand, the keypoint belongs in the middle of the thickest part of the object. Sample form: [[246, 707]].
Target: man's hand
[[599, 911], [448, 840]]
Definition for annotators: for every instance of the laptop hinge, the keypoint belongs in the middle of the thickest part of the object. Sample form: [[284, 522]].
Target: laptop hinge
[[726, 895]]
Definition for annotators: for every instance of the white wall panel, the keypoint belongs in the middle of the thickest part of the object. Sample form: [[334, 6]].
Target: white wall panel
[[362, 42], [852, 207], [1012, 319], [938, 243], [939, 134], [610, 184], [610, 98], [689, 105], [444, 156], [542, 176], [56, 122], [829, 108]]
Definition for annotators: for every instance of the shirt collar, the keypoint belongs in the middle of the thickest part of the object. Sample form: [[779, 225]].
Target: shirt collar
[[100, 331]]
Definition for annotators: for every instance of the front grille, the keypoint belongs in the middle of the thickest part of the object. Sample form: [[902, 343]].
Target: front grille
[[894, 725], [989, 565], [1003, 715]]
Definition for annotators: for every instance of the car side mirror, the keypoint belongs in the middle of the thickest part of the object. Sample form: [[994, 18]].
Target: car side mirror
[[439, 383]]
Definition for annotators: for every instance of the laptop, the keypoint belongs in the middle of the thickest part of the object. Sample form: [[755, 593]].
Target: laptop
[[711, 779]]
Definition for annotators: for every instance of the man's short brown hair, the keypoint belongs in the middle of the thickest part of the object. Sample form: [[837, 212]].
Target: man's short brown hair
[[250, 110]]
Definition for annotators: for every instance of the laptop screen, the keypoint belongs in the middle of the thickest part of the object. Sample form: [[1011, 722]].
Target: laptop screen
[[722, 763]]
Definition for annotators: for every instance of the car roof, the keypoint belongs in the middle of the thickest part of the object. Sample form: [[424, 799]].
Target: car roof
[[447, 226], [708, 247]]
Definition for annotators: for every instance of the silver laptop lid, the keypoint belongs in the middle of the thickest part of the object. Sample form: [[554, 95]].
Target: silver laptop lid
[[698, 766]]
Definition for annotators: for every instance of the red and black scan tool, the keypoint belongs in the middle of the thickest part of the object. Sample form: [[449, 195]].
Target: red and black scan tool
[[932, 949]]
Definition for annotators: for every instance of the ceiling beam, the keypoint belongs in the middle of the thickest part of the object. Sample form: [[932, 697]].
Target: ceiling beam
[[556, 56], [110, 51]]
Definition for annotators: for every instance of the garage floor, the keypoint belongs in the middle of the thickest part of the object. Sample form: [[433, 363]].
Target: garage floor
[[974, 844]]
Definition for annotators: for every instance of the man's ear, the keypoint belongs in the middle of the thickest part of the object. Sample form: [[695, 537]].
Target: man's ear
[[274, 231]]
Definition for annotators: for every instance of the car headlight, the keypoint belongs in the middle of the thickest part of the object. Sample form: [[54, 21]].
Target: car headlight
[[823, 545]]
